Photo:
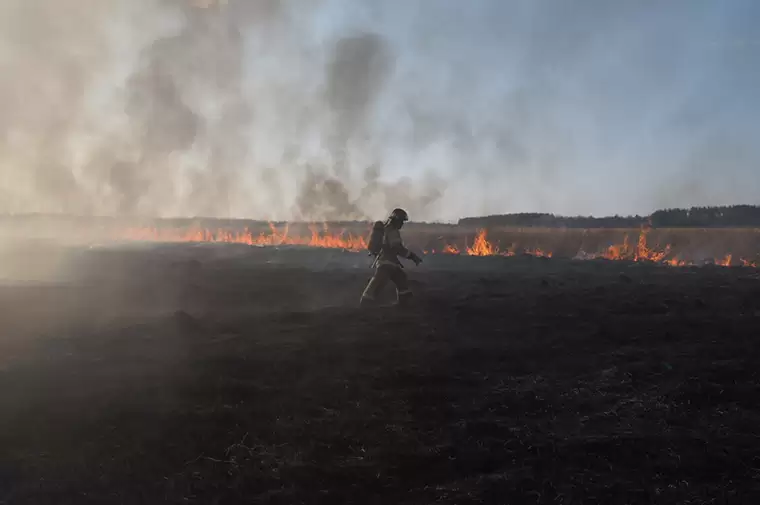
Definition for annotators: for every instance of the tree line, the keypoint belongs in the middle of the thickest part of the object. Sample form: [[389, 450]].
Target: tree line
[[694, 217]]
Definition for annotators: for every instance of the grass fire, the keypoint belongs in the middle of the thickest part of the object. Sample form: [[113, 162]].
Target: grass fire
[[536, 243], [371, 252]]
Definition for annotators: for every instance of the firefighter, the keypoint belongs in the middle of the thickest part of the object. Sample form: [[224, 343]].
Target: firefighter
[[387, 264]]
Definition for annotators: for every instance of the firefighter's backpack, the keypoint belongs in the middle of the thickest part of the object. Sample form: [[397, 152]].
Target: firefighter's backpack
[[375, 242]]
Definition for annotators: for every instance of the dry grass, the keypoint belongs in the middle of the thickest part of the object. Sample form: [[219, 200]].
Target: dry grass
[[691, 245], [694, 245]]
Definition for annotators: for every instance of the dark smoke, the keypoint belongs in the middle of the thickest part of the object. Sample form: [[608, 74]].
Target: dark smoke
[[325, 198], [356, 73]]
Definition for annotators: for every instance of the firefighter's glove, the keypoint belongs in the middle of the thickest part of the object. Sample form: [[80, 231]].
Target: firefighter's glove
[[417, 260]]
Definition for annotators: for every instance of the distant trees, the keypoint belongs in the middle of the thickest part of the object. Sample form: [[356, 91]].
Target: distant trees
[[695, 217], [542, 220], [705, 217]]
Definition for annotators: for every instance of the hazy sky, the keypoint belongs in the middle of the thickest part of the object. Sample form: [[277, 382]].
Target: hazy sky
[[321, 109]]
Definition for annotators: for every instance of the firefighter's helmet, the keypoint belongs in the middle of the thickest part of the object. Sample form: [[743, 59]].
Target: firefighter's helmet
[[398, 216]]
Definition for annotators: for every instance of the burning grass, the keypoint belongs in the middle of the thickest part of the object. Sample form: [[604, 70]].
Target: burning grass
[[323, 238], [672, 247], [690, 247]]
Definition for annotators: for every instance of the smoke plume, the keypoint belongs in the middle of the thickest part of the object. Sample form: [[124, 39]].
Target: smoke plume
[[344, 109]]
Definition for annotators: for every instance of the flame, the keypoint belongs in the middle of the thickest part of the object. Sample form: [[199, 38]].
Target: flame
[[644, 253], [275, 237], [482, 247], [539, 253], [618, 251], [675, 262], [641, 252], [450, 249], [325, 238]]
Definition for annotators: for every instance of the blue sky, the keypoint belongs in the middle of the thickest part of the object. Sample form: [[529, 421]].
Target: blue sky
[[460, 108], [582, 106]]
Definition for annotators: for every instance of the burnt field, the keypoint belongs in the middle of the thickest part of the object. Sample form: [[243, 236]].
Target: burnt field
[[223, 373]]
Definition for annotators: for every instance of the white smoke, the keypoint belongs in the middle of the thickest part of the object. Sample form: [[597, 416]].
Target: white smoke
[[330, 109]]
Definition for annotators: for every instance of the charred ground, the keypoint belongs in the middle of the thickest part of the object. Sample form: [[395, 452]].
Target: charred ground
[[225, 374]]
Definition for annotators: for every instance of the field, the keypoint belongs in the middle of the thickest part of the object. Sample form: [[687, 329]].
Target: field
[[224, 373], [672, 246]]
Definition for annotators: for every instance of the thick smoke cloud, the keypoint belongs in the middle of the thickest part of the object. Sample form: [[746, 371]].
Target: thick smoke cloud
[[343, 109]]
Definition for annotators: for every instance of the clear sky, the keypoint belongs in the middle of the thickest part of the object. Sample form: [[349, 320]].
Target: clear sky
[[319, 109]]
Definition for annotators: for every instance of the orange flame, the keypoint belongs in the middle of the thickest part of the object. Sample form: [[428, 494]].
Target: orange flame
[[675, 262], [450, 249], [275, 237], [482, 247], [324, 238], [618, 251], [539, 253], [644, 253], [725, 262], [641, 252]]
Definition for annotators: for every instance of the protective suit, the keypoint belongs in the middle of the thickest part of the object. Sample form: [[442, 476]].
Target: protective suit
[[387, 265]]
